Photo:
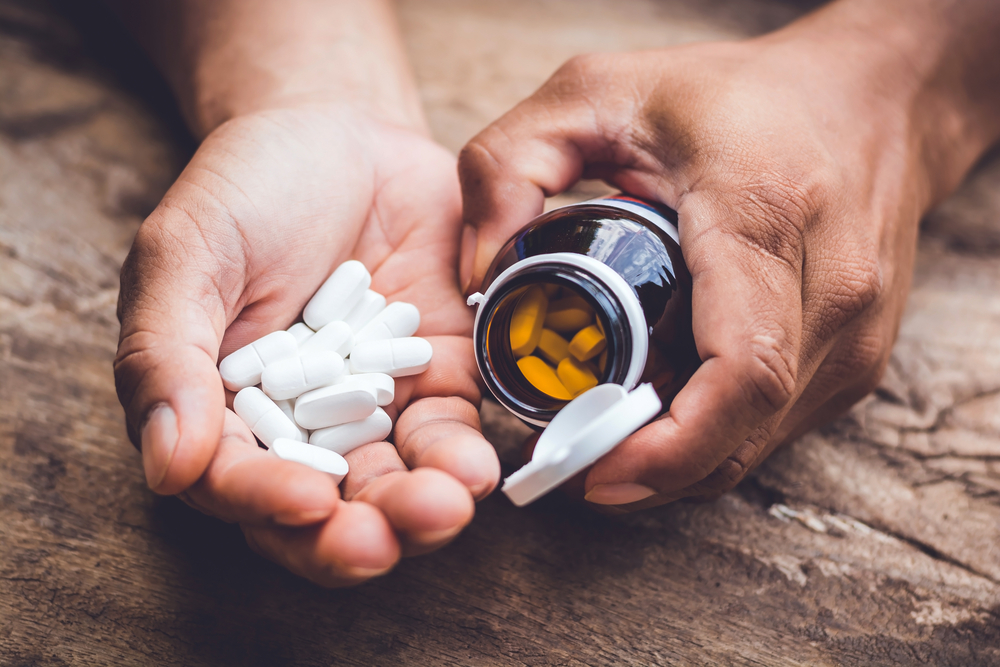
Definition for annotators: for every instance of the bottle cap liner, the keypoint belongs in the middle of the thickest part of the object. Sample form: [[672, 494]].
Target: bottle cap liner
[[590, 426]]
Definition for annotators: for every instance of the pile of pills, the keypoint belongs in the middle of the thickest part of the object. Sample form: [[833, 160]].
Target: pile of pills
[[560, 348], [323, 382]]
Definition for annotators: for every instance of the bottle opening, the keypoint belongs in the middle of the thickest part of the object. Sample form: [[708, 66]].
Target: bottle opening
[[549, 337]]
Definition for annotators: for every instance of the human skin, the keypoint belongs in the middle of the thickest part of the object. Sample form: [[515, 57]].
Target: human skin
[[314, 151], [800, 164]]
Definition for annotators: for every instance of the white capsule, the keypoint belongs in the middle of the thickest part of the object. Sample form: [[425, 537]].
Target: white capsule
[[336, 404], [243, 367], [289, 378], [334, 337], [348, 437], [288, 407], [301, 331], [395, 357], [383, 385], [335, 298], [317, 458], [370, 305], [263, 416], [398, 320]]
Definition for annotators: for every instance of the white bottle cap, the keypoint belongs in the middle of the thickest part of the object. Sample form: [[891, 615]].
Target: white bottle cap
[[590, 426]]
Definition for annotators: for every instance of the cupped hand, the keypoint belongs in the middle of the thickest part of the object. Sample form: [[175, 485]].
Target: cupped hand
[[269, 205], [799, 174]]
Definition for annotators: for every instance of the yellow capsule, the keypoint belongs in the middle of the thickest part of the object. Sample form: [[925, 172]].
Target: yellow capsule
[[553, 347], [587, 343], [541, 375], [602, 361], [526, 322], [551, 291], [576, 376], [569, 314]]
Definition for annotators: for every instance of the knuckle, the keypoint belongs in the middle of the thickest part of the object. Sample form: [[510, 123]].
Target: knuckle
[[777, 211], [862, 361], [852, 288], [477, 160], [769, 378], [580, 68]]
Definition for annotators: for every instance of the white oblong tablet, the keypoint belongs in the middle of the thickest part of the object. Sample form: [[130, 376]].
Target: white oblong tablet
[[336, 404], [301, 331], [348, 437], [263, 416], [243, 367], [370, 305], [288, 407], [383, 385], [398, 320], [338, 295], [395, 357], [275, 346], [334, 337], [317, 458], [289, 378]]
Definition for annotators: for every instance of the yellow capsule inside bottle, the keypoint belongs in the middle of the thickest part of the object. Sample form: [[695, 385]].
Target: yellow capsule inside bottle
[[587, 343], [543, 377], [576, 376], [527, 320]]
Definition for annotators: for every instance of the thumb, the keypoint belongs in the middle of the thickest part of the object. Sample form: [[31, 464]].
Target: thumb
[[172, 315]]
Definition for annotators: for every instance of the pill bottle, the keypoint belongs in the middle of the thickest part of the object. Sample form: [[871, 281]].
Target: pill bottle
[[588, 294]]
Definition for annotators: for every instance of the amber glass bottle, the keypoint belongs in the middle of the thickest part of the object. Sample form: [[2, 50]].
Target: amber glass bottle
[[587, 294]]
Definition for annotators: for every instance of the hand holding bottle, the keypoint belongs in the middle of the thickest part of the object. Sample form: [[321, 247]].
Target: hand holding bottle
[[800, 164]]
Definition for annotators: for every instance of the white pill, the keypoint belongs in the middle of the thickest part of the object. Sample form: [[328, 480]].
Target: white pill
[[289, 378], [324, 460], [288, 407], [398, 320], [396, 357], [371, 304], [338, 295], [348, 437], [334, 337], [383, 385], [263, 416], [336, 404], [301, 331], [243, 367]]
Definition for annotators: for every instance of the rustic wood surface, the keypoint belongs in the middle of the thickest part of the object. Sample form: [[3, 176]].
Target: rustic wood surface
[[875, 540]]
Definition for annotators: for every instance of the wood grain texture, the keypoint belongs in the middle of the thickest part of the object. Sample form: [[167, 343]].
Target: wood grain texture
[[875, 540]]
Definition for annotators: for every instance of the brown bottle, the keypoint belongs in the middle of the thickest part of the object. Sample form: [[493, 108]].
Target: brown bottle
[[603, 278]]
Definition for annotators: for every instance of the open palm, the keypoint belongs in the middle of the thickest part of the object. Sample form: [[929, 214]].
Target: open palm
[[270, 204]]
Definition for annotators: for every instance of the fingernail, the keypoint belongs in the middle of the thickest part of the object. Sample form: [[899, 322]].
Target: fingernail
[[618, 494], [467, 256], [159, 441]]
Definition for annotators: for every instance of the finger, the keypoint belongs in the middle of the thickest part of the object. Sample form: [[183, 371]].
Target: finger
[[426, 507], [440, 426], [355, 544], [746, 264], [367, 463], [247, 484], [445, 433], [172, 316], [538, 149]]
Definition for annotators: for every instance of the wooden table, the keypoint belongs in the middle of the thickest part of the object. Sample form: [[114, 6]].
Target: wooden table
[[875, 540]]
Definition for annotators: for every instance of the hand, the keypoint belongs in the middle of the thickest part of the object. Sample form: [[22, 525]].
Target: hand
[[799, 165], [270, 204]]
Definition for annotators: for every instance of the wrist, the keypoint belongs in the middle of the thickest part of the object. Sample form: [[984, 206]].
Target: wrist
[[920, 70], [229, 58]]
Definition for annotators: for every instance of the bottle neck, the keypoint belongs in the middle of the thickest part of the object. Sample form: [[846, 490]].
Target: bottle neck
[[616, 308]]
